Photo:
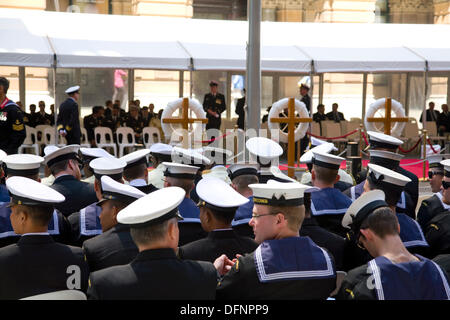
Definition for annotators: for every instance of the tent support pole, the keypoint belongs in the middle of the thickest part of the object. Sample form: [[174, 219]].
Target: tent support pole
[[275, 87], [364, 96], [56, 104], [424, 114], [22, 87], [130, 85], [407, 90], [180, 84], [448, 89]]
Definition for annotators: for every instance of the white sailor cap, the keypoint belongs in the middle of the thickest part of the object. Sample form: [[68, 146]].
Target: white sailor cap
[[135, 158], [381, 140], [242, 168], [22, 164], [92, 153], [446, 164], [264, 150], [326, 160], [216, 194], [49, 149], [434, 160], [189, 156], [161, 148], [386, 159], [380, 175], [60, 154], [113, 190], [361, 208], [218, 171], [153, 208], [281, 177], [72, 89], [2, 155], [217, 155], [28, 192], [325, 147], [317, 142], [275, 193], [179, 170], [106, 166]]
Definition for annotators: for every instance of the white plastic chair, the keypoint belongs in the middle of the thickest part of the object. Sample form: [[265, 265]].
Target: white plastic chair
[[101, 135], [84, 141], [40, 133], [48, 137], [125, 139], [30, 141], [150, 134], [59, 295]]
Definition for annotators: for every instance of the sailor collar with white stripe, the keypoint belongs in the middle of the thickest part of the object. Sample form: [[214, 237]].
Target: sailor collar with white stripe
[[326, 160]]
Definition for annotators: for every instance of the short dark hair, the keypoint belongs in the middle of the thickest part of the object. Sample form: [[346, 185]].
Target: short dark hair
[[151, 233], [96, 109], [116, 106], [134, 172], [320, 105], [326, 175], [59, 166], [391, 192], [224, 217], [382, 222], [4, 83], [40, 215], [241, 182], [108, 102]]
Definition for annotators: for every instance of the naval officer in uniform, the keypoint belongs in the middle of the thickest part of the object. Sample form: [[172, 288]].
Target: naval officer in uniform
[[156, 273], [136, 172], [218, 204], [68, 121], [159, 153], [36, 264], [114, 246]]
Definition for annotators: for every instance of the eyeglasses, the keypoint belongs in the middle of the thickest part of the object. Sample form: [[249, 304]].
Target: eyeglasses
[[445, 184], [254, 215]]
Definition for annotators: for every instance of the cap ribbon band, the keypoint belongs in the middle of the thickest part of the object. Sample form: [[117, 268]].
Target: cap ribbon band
[[282, 202], [377, 144], [386, 163], [189, 176], [324, 164], [243, 171]]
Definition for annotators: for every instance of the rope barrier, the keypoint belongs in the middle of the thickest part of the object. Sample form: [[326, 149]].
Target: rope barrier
[[411, 149], [431, 146], [365, 138], [332, 138], [216, 138], [411, 164]]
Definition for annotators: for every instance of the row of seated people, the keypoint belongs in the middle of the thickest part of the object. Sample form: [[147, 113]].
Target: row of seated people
[[324, 217]]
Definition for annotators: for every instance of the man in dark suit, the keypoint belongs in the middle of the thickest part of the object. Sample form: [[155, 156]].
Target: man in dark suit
[[68, 122], [64, 164], [240, 111], [136, 172], [320, 114], [335, 115], [37, 264], [214, 105], [92, 121], [431, 114], [443, 121], [156, 272], [135, 122], [216, 216], [42, 117], [114, 246]]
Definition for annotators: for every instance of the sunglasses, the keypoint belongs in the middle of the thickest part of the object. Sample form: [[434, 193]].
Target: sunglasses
[[431, 174], [445, 184]]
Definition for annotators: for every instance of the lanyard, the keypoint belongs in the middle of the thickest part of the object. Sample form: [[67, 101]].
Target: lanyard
[[4, 103]]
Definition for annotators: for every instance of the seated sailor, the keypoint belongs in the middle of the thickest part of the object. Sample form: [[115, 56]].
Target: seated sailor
[[86, 222], [136, 172], [159, 153], [218, 204], [389, 160], [156, 273], [439, 171], [394, 273], [27, 165], [87, 155], [393, 183], [183, 175], [285, 265], [36, 264], [242, 175], [114, 246], [437, 228], [266, 153], [328, 205]]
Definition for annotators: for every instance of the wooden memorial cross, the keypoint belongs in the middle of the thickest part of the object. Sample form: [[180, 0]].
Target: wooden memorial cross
[[387, 120], [291, 120], [185, 121]]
